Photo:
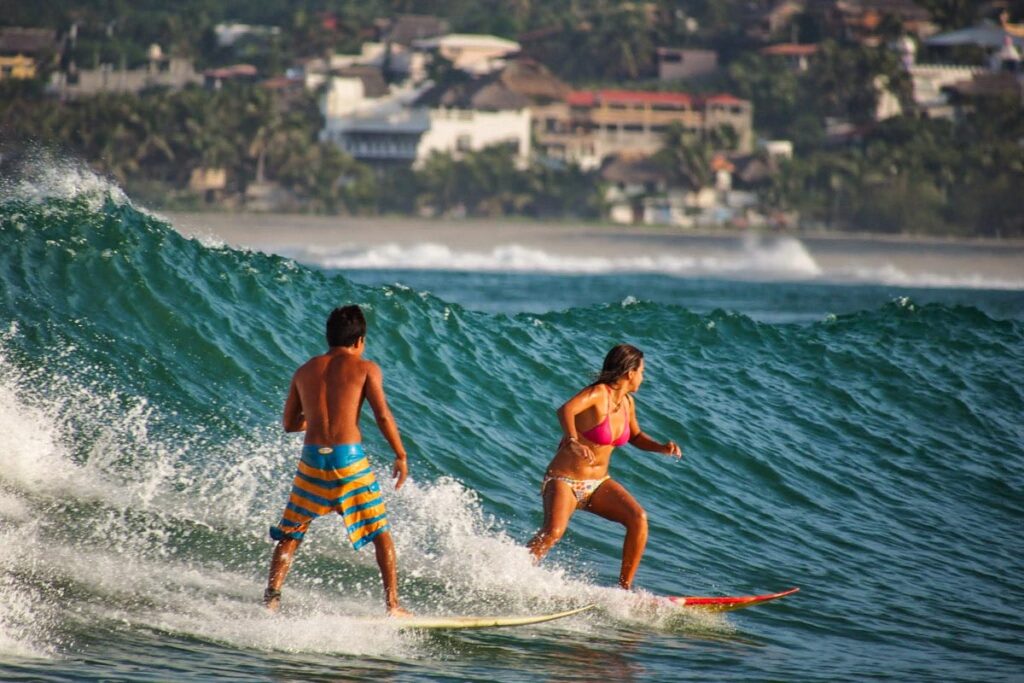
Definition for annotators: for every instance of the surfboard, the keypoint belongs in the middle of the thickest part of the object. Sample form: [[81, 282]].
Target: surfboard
[[464, 622], [726, 603]]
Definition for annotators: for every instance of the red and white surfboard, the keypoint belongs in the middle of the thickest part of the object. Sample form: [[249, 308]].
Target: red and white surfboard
[[725, 603]]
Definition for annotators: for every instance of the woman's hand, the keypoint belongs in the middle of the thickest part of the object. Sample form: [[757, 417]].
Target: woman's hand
[[578, 449], [672, 449]]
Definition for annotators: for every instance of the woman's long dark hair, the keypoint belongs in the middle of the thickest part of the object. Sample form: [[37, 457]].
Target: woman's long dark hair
[[620, 360]]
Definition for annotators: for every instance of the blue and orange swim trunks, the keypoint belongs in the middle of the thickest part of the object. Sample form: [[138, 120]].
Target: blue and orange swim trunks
[[339, 479]]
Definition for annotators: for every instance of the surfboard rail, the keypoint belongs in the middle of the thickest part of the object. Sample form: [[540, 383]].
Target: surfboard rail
[[468, 622], [727, 603]]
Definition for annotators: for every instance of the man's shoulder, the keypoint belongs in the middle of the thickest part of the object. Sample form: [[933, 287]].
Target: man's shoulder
[[315, 361], [369, 367]]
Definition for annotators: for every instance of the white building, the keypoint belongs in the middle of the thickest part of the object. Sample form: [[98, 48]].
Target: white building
[[456, 131], [469, 116], [371, 126]]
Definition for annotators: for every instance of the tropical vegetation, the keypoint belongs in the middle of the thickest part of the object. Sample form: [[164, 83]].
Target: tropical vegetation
[[960, 176]]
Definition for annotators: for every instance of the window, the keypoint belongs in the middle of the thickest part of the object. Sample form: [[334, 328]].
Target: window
[[633, 128]]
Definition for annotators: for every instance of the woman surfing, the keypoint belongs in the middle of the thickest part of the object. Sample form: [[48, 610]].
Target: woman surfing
[[594, 421]]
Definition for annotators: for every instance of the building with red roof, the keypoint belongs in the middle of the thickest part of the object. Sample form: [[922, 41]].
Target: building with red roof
[[593, 124]]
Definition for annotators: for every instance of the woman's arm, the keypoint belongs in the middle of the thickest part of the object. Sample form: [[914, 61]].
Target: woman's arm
[[646, 443], [587, 398], [571, 409]]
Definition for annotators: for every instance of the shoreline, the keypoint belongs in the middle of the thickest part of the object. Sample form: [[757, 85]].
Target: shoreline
[[568, 247], [346, 223]]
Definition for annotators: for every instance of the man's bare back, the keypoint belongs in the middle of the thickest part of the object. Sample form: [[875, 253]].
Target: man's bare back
[[324, 400], [327, 394]]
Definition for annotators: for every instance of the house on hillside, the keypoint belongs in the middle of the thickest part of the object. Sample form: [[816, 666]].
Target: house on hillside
[[796, 56], [368, 120], [941, 90], [776, 20], [23, 51], [472, 114], [215, 79], [162, 71], [593, 124]]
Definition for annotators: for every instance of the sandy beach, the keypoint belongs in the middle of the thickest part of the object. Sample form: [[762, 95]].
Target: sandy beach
[[386, 243]]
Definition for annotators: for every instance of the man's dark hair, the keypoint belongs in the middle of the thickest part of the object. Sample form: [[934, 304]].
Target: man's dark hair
[[345, 325]]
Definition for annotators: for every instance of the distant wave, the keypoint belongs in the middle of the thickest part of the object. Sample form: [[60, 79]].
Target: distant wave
[[785, 259]]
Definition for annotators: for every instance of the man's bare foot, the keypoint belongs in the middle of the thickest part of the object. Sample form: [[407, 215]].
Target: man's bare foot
[[272, 600], [397, 611]]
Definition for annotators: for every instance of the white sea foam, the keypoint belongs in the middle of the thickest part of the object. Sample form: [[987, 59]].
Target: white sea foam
[[783, 258], [46, 176], [115, 521], [890, 274]]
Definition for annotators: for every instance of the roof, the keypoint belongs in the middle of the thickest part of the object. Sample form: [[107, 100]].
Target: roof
[[988, 85], [724, 98], [789, 50], [486, 93], [533, 80], [467, 40], [633, 169], [27, 40], [986, 34], [593, 98], [372, 77], [282, 83], [233, 71]]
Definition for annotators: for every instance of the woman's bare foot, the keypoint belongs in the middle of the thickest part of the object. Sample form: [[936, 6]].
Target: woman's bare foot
[[397, 611]]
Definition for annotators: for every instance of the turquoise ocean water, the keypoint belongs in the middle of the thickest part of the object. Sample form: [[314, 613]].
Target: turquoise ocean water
[[865, 443]]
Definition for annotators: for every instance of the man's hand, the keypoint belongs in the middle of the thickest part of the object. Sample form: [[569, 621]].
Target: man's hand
[[672, 449], [400, 471]]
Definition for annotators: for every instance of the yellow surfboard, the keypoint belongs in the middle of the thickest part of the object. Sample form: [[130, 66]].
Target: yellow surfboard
[[460, 622]]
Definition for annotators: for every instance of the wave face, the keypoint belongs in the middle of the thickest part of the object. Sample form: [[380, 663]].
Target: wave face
[[874, 457]]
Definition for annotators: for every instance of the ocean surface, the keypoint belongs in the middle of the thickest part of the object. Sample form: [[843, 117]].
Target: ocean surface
[[863, 441]]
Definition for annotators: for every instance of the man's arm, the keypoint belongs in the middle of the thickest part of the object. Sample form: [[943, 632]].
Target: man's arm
[[386, 421], [293, 420]]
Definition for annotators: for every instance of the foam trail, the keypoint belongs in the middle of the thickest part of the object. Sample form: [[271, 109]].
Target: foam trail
[[59, 513]]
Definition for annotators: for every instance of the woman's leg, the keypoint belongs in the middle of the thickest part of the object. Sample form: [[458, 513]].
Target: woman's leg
[[612, 501], [559, 504]]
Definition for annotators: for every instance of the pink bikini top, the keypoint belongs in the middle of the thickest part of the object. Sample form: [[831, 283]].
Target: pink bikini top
[[601, 434]]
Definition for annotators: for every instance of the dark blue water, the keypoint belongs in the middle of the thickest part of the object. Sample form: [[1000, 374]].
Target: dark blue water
[[862, 442]]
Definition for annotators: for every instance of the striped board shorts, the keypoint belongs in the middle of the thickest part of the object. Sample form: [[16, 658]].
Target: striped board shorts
[[338, 479]]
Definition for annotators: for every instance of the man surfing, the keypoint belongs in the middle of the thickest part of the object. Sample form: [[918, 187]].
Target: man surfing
[[324, 400]]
